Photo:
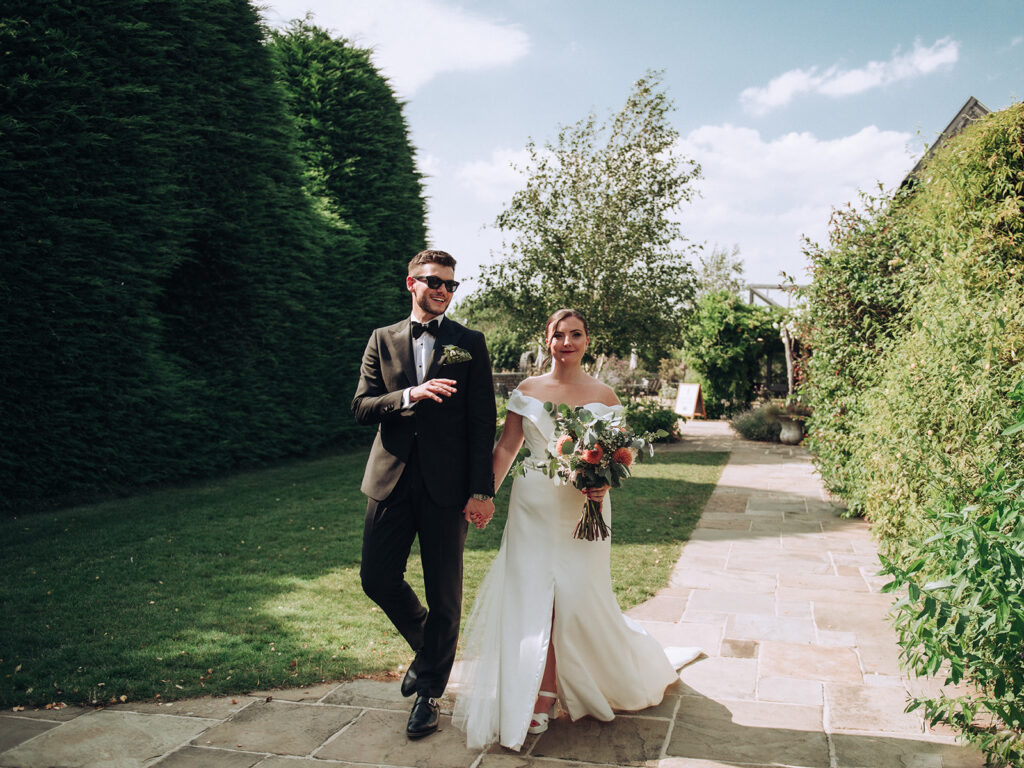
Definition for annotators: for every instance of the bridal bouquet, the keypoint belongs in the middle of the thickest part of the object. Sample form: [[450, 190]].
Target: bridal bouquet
[[590, 452]]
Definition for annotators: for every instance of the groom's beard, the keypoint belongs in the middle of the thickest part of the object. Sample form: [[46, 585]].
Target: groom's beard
[[424, 303]]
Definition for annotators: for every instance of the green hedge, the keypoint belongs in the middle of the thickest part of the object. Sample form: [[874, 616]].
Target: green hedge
[[174, 303], [359, 164], [917, 327]]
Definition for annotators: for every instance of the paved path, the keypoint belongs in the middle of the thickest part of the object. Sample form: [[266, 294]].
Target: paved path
[[781, 593]]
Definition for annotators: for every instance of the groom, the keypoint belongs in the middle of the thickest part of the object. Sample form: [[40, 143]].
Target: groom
[[426, 382]]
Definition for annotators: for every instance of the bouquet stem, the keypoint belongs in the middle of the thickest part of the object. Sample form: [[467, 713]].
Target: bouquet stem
[[591, 524]]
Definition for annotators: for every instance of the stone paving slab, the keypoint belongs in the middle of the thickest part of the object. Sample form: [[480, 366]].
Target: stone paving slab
[[791, 690], [731, 602], [104, 738], [279, 727], [749, 732], [378, 738], [14, 730], [667, 608], [722, 678], [368, 693], [309, 693], [624, 741], [684, 762], [200, 757], [780, 592], [718, 578], [210, 708], [810, 662], [310, 762], [513, 760], [873, 751], [704, 635], [853, 707]]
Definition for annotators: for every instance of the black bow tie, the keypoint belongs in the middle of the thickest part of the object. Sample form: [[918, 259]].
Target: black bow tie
[[419, 328]]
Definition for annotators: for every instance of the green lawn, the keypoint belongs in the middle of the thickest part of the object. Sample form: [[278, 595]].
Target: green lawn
[[252, 581]]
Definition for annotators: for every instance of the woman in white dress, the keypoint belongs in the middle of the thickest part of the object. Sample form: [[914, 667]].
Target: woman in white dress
[[546, 624]]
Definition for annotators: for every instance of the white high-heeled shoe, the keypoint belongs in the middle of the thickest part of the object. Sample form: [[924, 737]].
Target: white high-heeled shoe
[[539, 721]]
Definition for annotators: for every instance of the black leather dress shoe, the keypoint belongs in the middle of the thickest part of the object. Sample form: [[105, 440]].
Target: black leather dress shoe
[[409, 681], [423, 718]]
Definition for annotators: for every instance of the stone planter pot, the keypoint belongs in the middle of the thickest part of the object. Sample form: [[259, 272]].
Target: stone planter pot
[[791, 431]]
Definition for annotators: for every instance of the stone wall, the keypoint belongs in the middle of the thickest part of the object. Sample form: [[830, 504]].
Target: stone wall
[[505, 382]]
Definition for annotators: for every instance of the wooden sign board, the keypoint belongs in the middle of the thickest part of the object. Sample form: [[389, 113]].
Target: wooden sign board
[[690, 402]]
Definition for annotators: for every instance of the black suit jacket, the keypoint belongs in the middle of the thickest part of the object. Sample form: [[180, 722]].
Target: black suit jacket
[[453, 438]]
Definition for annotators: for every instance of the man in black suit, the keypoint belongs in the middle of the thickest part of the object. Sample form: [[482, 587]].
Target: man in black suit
[[426, 382]]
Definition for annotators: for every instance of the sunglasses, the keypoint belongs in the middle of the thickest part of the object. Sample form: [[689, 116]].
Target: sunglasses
[[434, 282]]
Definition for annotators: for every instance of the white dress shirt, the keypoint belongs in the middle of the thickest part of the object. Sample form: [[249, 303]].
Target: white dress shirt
[[422, 350]]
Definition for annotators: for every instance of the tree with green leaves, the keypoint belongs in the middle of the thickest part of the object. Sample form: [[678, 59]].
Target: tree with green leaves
[[594, 229], [720, 270]]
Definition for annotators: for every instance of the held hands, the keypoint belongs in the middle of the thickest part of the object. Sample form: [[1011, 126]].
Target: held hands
[[596, 494], [433, 389], [478, 512]]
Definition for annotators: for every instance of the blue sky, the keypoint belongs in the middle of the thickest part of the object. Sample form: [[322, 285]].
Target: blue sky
[[790, 107]]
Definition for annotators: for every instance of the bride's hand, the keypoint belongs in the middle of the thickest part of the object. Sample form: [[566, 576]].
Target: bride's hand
[[596, 494]]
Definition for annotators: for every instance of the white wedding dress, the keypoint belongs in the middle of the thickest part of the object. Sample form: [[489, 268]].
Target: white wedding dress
[[604, 660]]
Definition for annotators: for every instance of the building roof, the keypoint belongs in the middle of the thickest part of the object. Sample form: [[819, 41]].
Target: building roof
[[971, 110]]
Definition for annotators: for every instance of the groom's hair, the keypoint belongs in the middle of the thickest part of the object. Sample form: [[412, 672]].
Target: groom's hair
[[431, 257]]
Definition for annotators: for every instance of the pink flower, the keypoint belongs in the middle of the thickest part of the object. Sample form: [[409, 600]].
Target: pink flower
[[560, 446]]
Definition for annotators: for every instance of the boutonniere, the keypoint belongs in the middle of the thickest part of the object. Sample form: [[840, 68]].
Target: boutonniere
[[453, 355]]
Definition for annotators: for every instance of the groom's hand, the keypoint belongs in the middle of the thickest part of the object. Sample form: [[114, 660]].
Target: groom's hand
[[478, 512], [433, 389]]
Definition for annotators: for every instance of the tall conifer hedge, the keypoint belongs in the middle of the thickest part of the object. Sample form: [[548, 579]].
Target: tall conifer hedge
[[359, 162], [173, 303]]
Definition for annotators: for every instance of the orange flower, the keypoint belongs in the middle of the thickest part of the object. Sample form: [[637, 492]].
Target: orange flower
[[593, 456], [623, 456], [560, 446]]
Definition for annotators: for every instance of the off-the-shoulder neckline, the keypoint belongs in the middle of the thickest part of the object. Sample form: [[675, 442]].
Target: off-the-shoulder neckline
[[583, 405]]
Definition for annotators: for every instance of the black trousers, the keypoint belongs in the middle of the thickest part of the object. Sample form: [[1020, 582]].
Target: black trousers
[[388, 533]]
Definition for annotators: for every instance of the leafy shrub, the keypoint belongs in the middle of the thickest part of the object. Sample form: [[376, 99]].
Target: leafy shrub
[[917, 327], [917, 313], [505, 349], [964, 612], [726, 344], [758, 423], [650, 416], [934, 414], [862, 289]]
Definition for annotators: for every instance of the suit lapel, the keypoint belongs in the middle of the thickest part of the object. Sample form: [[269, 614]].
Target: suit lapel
[[401, 338], [446, 334]]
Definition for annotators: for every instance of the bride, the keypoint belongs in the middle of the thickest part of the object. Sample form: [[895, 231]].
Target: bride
[[545, 625]]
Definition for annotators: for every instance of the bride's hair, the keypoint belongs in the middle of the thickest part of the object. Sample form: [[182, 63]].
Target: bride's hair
[[558, 316]]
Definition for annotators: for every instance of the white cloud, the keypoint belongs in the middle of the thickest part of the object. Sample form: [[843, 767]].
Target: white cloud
[[764, 195], [1017, 41], [413, 41], [837, 82], [495, 179]]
